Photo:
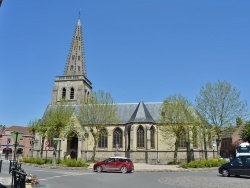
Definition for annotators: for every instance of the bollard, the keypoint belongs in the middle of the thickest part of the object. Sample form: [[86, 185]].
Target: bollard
[[1, 165]]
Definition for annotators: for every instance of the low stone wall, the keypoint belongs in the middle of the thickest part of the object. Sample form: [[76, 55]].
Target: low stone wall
[[150, 157]]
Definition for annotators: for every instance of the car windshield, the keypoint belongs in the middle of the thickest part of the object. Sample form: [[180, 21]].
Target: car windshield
[[241, 149]]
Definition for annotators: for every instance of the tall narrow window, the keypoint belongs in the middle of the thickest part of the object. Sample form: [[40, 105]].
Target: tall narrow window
[[71, 67], [152, 136], [140, 137], [64, 93], [103, 141], [79, 57], [117, 137], [73, 57], [72, 91], [183, 138], [209, 139], [195, 141], [79, 68]]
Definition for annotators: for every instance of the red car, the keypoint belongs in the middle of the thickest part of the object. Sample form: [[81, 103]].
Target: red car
[[122, 164]]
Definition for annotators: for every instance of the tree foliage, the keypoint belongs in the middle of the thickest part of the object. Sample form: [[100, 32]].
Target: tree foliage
[[245, 132], [32, 127], [219, 103], [98, 112], [176, 116], [56, 120]]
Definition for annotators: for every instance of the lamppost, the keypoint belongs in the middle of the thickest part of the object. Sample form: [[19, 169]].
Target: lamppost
[[16, 136]]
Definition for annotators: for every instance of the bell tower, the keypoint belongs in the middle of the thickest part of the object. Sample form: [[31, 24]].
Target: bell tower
[[73, 86]]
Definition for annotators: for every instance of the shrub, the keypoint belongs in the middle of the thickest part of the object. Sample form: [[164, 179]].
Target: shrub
[[203, 164], [74, 163], [33, 160]]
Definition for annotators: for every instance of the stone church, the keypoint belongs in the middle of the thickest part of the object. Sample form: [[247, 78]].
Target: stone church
[[136, 136]]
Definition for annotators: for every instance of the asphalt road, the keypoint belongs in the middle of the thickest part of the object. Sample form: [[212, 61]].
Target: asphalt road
[[54, 178]]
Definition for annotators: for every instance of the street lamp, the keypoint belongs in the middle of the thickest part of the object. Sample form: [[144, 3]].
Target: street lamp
[[16, 136]]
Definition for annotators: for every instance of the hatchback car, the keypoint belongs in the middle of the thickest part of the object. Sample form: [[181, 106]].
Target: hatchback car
[[238, 166], [121, 164]]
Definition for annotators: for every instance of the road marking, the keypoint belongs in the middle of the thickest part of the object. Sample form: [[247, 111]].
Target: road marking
[[72, 174]]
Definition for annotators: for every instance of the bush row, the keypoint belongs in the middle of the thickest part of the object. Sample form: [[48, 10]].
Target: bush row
[[203, 164], [66, 162]]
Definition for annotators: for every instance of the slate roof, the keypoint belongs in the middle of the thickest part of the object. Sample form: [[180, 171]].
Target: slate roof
[[19, 129], [134, 112]]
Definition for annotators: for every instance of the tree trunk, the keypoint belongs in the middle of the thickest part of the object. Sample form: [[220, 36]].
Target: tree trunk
[[41, 151], [54, 154], [175, 151], [94, 149]]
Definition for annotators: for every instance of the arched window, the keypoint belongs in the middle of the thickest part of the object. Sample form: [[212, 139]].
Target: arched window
[[117, 137], [72, 91], [64, 93], [140, 137], [152, 136], [103, 141]]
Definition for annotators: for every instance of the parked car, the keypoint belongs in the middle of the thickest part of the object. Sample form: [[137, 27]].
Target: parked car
[[121, 164], [237, 166]]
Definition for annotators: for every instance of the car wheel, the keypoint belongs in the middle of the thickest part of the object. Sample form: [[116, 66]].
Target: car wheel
[[124, 169], [99, 169], [225, 173]]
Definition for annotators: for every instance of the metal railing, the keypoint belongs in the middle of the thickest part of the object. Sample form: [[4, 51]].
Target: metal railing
[[18, 179], [1, 161], [14, 165]]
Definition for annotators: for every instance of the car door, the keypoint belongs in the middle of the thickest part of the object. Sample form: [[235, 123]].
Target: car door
[[236, 167], [109, 164], [246, 167]]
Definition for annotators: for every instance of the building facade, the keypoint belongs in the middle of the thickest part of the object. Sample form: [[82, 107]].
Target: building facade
[[7, 142], [136, 136]]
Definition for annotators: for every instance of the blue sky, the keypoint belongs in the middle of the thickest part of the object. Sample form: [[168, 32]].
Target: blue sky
[[134, 49]]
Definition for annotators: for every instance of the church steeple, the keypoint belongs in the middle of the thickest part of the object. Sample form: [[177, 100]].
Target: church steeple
[[74, 85], [76, 62]]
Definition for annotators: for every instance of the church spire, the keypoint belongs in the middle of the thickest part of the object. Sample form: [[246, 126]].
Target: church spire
[[76, 62]]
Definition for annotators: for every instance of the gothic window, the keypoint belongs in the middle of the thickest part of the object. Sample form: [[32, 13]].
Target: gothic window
[[209, 140], [103, 141], [195, 141], [64, 93], [72, 91], [152, 136], [79, 48], [117, 137], [79, 58], [74, 47], [183, 138], [71, 67], [79, 68], [140, 137], [73, 57]]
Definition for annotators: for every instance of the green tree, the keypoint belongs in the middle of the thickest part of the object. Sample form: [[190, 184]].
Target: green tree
[[245, 132], [177, 115], [32, 127], [42, 130], [57, 119], [220, 105], [99, 112]]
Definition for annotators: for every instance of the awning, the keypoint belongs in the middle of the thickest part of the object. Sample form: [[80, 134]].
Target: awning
[[11, 145]]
